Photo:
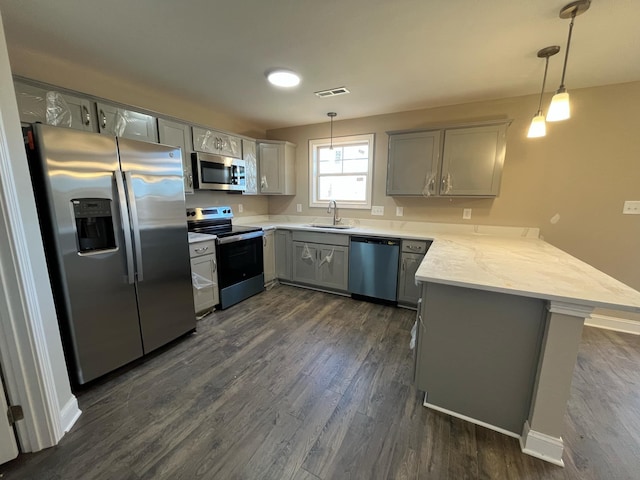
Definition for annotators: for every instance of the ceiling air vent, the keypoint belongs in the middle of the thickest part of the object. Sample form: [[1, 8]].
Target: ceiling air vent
[[332, 92]]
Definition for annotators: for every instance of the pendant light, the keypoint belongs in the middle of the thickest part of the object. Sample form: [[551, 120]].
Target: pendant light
[[538, 127], [331, 115], [559, 108]]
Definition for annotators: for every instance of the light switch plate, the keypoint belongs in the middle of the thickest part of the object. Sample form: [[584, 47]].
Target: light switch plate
[[399, 211], [466, 214], [240, 208], [298, 207], [377, 210], [631, 207]]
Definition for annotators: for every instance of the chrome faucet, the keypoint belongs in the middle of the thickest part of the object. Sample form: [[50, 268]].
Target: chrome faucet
[[336, 220]]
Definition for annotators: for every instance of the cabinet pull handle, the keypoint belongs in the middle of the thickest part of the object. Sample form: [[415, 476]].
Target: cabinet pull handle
[[264, 241], [87, 117], [104, 119], [203, 249], [190, 180], [404, 266], [215, 266]]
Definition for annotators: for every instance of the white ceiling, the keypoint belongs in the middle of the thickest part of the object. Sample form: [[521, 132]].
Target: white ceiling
[[393, 55]]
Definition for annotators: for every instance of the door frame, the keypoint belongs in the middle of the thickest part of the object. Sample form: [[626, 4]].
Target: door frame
[[30, 346]]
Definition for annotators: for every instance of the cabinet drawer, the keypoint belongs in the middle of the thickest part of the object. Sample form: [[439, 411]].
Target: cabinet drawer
[[202, 248], [319, 237], [415, 246]]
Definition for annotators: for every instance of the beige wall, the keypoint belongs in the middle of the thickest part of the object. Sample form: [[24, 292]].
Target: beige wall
[[583, 170]]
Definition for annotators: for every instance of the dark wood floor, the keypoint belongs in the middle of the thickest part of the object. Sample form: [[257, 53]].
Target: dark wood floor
[[296, 384]]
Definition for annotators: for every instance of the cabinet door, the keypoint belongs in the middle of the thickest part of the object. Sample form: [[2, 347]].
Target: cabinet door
[[283, 244], [251, 167], [126, 123], [305, 260], [212, 141], [269, 256], [230, 146], [333, 267], [472, 161], [204, 267], [408, 292], [271, 167], [64, 110], [178, 135], [413, 163]]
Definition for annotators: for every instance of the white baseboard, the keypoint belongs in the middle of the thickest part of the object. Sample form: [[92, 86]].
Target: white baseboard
[[613, 323], [541, 446], [469, 419], [69, 414]]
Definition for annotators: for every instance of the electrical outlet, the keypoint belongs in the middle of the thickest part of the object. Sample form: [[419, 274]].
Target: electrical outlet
[[631, 207], [399, 211], [298, 207], [466, 214], [377, 210], [240, 208]]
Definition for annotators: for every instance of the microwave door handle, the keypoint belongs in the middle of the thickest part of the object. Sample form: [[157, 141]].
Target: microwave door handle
[[126, 227], [134, 224]]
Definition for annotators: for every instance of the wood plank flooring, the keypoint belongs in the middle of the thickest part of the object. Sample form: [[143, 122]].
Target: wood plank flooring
[[297, 384]]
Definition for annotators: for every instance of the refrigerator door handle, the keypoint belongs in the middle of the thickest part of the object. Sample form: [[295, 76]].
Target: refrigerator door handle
[[134, 224], [126, 227]]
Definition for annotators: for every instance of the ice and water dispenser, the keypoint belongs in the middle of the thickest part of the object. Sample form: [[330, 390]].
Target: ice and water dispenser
[[94, 224]]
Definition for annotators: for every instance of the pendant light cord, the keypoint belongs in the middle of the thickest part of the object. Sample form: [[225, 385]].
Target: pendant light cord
[[566, 54], [331, 146], [544, 81]]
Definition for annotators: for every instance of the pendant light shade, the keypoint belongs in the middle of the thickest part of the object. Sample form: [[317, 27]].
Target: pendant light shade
[[560, 107], [538, 127]]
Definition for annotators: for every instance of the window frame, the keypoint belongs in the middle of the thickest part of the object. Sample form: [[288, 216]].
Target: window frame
[[314, 144]]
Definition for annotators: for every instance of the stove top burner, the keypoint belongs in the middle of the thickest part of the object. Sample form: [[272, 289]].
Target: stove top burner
[[215, 221]]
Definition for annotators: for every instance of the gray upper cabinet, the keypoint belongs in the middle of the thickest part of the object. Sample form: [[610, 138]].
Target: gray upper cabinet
[[472, 161], [113, 120], [277, 167], [413, 163], [251, 166], [212, 141], [461, 161], [179, 135], [52, 107]]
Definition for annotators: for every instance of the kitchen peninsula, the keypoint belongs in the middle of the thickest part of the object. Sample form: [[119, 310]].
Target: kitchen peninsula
[[499, 323]]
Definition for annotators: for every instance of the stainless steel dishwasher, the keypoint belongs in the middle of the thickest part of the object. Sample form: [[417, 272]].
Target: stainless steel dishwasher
[[373, 267]]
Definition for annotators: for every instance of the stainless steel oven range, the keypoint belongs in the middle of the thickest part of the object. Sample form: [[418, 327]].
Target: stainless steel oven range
[[238, 253]]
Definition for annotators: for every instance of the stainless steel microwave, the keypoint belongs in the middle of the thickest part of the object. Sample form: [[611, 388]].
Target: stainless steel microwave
[[217, 172]]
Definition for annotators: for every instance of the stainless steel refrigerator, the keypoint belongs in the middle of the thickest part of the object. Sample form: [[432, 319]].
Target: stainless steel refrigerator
[[112, 212]]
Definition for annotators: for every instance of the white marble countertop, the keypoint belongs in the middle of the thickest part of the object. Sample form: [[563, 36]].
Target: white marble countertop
[[499, 259], [200, 237]]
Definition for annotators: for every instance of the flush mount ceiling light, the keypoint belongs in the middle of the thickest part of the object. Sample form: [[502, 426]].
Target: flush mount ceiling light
[[560, 108], [331, 115], [538, 127], [283, 78]]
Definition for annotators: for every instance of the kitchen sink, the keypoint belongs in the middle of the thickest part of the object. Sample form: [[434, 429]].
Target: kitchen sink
[[324, 225]]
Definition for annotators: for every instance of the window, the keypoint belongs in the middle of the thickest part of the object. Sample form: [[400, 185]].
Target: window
[[342, 173]]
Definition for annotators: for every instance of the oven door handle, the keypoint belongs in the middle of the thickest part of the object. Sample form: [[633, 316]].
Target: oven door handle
[[237, 238]]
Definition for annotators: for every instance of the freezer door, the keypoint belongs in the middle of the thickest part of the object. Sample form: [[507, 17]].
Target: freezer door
[[155, 193], [91, 268]]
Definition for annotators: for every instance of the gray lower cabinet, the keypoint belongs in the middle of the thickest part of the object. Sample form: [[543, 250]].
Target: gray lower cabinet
[[322, 265], [52, 107], [269, 256], [413, 252], [463, 161], [284, 248], [477, 353], [179, 135], [204, 271], [120, 122]]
